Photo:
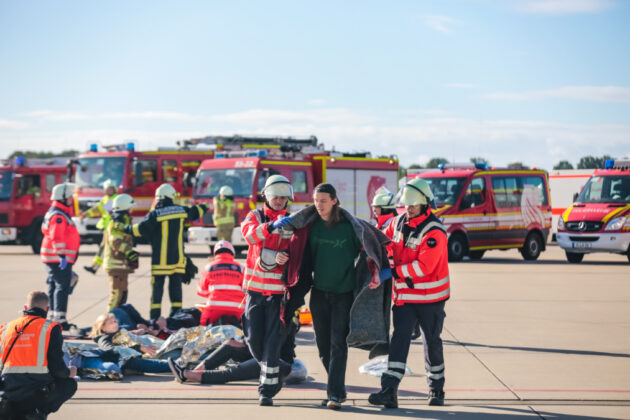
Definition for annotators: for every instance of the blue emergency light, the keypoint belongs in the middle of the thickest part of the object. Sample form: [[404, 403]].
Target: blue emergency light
[[20, 161], [441, 165], [131, 146], [262, 153], [93, 147], [610, 163], [481, 165], [219, 155]]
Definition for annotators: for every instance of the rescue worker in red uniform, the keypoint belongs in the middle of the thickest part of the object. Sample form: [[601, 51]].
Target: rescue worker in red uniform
[[35, 377], [222, 285], [384, 209], [421, 286], [59, 250], [266, 259]]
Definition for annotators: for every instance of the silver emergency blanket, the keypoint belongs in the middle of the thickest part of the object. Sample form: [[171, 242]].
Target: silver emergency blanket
[[128, 339], [74, 352], [196, 341]]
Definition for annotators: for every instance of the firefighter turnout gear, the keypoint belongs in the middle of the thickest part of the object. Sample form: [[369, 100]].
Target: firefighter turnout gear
[[223, 217], [61, 242], [421, 286], [265, 291], [103, 209], [164, 227], [221, 284], [417, 191], [116, 262]]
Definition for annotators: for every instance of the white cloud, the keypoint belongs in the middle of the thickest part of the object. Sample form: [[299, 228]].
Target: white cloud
[[561, 7], [151, 115], [462, 86], [12, 124], [582, 93], [56, 115], [439, 23]]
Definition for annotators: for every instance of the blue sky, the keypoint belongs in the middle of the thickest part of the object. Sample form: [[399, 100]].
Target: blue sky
[[536, 81]]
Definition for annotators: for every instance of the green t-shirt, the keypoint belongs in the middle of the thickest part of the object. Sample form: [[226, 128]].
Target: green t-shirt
[[333, 251]]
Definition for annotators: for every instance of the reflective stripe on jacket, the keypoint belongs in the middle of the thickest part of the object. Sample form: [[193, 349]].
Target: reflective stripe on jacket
[[223, 211], [61, 237], [30, 349], [255, 230], [221, 284], [104, 209], [117, 243], [422, 257]]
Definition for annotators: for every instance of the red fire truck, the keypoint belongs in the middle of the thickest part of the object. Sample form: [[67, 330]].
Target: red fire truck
[[246, 163], [484, 208], [599, 219], [137, 173], [25, 187]]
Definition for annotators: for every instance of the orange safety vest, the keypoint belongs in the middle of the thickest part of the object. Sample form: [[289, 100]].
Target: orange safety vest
[[31, 347], [423, 258], [222, 284], [255, 230]]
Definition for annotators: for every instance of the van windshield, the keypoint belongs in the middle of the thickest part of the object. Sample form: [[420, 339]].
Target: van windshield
[[93, 171], [606, 189], [446, 190], [210, 181], [6, 185]]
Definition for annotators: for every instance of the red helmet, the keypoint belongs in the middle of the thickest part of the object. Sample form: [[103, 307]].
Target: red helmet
[[223, 246]]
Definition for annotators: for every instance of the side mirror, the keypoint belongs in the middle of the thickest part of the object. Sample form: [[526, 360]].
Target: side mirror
[[575, 196]]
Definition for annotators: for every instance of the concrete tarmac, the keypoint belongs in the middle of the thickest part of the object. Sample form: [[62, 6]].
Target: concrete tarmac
[[542, 339]]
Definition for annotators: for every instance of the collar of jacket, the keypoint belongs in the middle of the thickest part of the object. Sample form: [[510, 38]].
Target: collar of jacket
[[62, 207], [384, 218], [121, 216], [223, 258], [164, 202], [415, 222], [36, 312], [273, 214]]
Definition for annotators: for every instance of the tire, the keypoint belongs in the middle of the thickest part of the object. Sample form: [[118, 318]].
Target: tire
[[532, 248], [476, 255], [457, 247], [575, 257]]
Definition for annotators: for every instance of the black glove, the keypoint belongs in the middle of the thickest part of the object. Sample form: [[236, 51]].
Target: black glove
[[409, 282], [132, 259], [128, 229], [395, 273]]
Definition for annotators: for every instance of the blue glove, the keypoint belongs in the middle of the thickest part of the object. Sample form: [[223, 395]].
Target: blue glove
[[280, 223], [385, 273], [63, 263]]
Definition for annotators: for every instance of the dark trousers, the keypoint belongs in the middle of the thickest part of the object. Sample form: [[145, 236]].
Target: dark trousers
[[174, 293], [58, 290], [224, 353], [331, 322], [431, 317], [128, 317], [261, 326], [47, 400]]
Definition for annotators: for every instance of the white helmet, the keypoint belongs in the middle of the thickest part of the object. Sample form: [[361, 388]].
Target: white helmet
[[385, 200], [226, 191], [165, 191], [278, 186], [108, 183], [123, 202], [62, 191], [417, 191], [223, 246]]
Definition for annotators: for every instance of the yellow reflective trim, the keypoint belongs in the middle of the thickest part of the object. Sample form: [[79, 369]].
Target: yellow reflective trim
[[272, 162], [136, 230], [156, 306], [260, 146], [180, 244], [615, 212], [515, 171], [171, 217], [164, 248], [565, 215], [176, 304]]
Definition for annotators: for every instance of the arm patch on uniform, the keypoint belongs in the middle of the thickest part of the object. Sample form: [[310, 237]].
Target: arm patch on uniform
[[431, 242]]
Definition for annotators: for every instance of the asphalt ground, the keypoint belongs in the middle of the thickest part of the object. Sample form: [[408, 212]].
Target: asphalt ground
[[543, 339]]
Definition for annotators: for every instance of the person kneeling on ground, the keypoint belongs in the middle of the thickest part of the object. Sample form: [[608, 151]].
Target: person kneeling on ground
[[36, 381]]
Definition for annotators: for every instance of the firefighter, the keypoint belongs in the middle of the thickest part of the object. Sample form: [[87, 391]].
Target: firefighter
[[119, 257], [222, 285], [421, 288], [164, 226], [384, 209], [36, 380], [103, 209], [224, 213], [59, 250], [266, 257]]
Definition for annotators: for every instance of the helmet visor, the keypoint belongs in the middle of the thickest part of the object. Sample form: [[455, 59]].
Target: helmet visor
[[280, 189], [412, 197]]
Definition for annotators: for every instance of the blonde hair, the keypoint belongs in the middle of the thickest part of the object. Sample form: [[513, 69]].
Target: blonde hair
[[97, 328]]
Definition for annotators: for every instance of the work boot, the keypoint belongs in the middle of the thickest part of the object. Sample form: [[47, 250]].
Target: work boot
[[91, 268], [265, 401], [436, 397], [334, 403], [386, 397]]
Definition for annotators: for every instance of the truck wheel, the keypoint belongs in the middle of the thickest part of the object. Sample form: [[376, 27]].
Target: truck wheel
[[476, 255], [575, 257], [36, 240], [532, 247], [457, 247]]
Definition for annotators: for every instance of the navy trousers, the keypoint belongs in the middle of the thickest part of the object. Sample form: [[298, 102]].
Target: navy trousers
[[174, 293], [431, 317], [58, 290]]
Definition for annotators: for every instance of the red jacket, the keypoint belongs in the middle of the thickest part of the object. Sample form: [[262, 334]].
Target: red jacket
[[383, 221], [221, 284], [423, 258], [61, 237], [255, 229]]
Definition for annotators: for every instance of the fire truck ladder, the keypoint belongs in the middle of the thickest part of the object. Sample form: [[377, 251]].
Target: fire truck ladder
[[236, 142]]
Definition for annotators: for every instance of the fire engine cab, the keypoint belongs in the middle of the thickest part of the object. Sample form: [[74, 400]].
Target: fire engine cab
[[246, 163], [25, 187], [599, 219], [137, 173], [484, 208]]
